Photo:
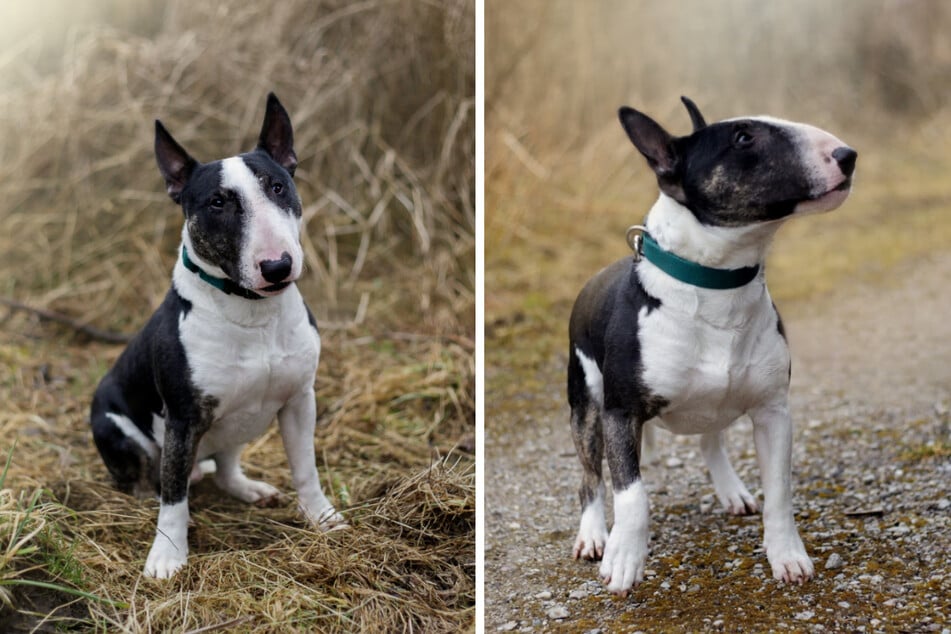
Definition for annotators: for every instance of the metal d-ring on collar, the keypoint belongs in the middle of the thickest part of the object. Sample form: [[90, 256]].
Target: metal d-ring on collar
[[635, 239], [643, 245]]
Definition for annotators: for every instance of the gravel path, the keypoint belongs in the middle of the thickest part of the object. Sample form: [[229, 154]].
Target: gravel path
[[872, 459]]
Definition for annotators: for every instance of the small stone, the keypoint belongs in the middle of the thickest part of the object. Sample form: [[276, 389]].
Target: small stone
[[834, 561], [507, 627], [674, 462], [544, 595], [718, 623], [694, 588], [578, 594], [845, 605], [805, 615], [558, 612], [943, 504], [868, 478]]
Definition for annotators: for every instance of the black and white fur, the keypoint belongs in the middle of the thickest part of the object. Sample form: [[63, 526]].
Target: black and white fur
[[645, 346], [210, 370]]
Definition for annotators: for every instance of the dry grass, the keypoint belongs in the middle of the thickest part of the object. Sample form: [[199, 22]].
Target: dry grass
[[382, 98], [394, 450]]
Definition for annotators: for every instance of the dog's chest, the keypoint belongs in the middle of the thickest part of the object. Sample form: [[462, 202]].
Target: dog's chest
[[711, 367], [250, 371]]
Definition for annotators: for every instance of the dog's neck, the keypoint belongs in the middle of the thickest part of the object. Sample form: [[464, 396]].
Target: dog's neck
[[207, 298], [677, 230]]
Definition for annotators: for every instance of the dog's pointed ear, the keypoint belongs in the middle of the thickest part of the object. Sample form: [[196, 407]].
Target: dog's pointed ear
[[277, 136], [652, 141], [174, 162], [695, 117]]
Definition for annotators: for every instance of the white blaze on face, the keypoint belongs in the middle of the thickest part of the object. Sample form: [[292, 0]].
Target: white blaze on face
[[823, 171], [269, 231]]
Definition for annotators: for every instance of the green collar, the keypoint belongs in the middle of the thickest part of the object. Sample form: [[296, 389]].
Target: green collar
[[228, 287], [685, 270]]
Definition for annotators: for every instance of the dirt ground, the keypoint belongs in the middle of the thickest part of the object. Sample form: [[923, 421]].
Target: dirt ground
[[872, 460]]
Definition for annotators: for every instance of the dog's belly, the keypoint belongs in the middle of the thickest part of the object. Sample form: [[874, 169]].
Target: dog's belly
[[711, 375]]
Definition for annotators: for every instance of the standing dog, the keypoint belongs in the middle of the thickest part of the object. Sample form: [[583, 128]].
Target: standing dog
[[232, 346], [685, 334]]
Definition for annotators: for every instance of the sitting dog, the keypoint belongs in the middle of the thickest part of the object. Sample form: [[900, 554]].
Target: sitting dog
[[685, 335], [232, 346]]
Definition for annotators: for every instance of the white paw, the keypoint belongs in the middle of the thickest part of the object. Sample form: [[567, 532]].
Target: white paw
[[789, 560], [738, 501], [626, 548], [623, 562], [592, 534], [164, 559], [250, 491], [260, 493], [326, 520]]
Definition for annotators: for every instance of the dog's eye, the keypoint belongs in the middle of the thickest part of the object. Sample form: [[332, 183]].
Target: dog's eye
[[277, 188], [217, 202], [742, 138]]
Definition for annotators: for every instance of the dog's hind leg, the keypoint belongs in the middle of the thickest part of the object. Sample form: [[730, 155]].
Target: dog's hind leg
[[231, 480], [731, 491], [587, 436], [129, 454], [593, 531]]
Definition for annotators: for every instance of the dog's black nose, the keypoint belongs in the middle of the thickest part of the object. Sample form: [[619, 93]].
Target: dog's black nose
[[845, 157], [275, 271]]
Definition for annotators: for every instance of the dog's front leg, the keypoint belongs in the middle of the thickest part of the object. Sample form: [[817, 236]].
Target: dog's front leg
[[297, 420], [170, 547], [626, 548], [772, 433]]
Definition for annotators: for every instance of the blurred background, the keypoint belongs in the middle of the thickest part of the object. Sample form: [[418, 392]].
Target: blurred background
[[563, 181], [381, 97]]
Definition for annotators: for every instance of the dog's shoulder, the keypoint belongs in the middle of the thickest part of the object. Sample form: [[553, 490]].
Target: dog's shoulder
[[614, 293]]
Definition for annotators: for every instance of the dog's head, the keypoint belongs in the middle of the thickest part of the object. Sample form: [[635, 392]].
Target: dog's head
[[242, 214], [746, 170]]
